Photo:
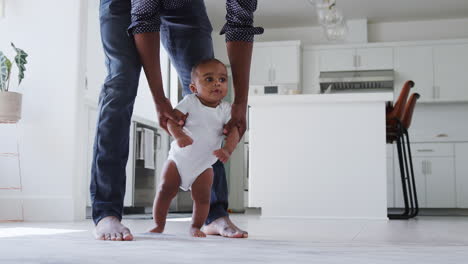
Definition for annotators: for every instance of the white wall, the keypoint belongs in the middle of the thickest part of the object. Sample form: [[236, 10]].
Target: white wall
[[49, 31], [418, 30]]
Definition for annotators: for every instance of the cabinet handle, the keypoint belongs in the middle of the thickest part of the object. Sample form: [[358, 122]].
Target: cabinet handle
[[269, 75], [425, 150], [274, 74], [358, 60]]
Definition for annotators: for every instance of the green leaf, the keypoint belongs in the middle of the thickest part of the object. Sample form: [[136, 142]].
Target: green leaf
[[20, 60], [5, 69]]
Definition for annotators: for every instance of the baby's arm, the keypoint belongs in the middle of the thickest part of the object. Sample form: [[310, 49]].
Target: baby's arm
[[224, 153], [177, 132]]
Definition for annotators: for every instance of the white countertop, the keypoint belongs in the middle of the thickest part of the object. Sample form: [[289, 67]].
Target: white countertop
[[320, 98]]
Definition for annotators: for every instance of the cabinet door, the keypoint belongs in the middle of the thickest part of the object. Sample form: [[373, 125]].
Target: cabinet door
[[419, 168], [461, 172], [310, 72], [261, 66], [414, 63], [440, 182], [374, 59], [450, 72], [285, 64], [337, 60], [390, 184]]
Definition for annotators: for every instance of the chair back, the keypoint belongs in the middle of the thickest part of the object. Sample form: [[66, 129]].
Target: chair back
[[409, 110], [398, 108]]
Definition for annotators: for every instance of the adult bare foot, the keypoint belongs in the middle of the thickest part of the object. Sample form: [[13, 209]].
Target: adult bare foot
[[110, 228], [196, 232], [224, 227], [157, 229]]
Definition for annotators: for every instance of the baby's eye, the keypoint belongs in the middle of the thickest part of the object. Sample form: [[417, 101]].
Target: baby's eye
[[209, 79], [222, 79]]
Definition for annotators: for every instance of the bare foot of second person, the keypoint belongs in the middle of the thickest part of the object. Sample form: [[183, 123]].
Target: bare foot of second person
[[110, 228], [224, 227]]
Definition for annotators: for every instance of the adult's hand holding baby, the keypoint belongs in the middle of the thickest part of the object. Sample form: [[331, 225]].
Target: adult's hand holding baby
[[238, 119], [165, 112]]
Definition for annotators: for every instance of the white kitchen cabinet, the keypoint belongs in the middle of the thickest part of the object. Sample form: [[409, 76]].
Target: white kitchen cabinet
[[337, 60], [356, 59], [260, 72], [440, 182], [374, 59], [414, 63], [461, 172], [450, 72], [310, 72], [276, 63], [390, 178], [434, 169]]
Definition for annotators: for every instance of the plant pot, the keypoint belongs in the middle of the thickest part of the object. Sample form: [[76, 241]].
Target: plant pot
[[10, 107]]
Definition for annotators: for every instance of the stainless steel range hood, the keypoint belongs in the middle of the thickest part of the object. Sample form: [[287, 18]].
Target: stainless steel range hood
[[362, 81]]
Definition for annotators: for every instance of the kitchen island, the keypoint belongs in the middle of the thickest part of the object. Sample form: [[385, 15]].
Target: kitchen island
[[318, 155]]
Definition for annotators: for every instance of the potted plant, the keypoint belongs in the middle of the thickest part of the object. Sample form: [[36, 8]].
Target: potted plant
[[10, 102]]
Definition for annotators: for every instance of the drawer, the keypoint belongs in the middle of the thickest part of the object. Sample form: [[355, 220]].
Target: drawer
[[432, 150]]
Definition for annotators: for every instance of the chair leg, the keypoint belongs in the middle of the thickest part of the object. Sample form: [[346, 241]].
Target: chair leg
[[405, 214], [407, 174], [415, 194]]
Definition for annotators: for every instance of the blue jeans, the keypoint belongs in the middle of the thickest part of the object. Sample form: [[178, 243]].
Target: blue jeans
[[186, 35]]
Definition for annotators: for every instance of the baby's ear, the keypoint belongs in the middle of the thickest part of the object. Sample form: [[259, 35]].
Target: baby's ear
[[193, 88]]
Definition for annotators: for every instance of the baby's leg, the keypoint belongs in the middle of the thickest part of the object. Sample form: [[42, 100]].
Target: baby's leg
[[166, 192], [201, 191]]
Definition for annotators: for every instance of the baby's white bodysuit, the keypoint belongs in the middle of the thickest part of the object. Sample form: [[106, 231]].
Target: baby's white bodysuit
[[205, 126]]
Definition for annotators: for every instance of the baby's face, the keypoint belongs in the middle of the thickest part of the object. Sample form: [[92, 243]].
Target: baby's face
[[210, 82]]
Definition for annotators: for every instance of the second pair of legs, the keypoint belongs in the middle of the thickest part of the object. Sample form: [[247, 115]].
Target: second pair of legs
[[201, 191]]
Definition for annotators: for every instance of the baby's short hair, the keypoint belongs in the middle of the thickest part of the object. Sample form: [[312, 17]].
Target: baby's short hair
[[202, 62]]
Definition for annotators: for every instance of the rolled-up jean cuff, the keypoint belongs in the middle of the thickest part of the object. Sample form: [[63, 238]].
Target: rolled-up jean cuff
[[106, 214], [217, 210]]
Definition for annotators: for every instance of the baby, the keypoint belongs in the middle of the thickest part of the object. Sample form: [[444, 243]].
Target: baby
[[197, 145]]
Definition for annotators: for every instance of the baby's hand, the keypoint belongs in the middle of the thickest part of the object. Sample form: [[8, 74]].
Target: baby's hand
[[222, 154], [184, 141]]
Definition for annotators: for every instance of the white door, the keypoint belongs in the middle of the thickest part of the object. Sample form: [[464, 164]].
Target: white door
[[374, 59], [420, 178], [440, 182], [451, 72], [416, 64], [461, 171], [285, 64], [260, 69], [337, 60]]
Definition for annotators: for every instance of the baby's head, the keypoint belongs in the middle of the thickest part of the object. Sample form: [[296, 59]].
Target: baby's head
[[209, 80]]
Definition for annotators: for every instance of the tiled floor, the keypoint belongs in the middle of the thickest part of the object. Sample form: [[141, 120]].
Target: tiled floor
[[423, 240]]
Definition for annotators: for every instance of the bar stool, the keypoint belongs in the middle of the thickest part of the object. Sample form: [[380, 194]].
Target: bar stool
[[401, 136], [394, 116]]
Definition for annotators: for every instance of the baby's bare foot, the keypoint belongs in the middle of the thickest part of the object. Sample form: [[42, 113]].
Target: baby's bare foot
[[157, 229], [110, 228], [184, 141], [196, 232]]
